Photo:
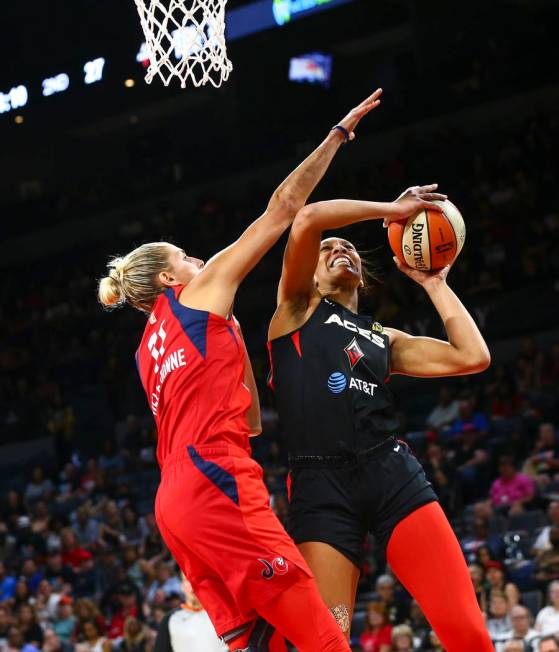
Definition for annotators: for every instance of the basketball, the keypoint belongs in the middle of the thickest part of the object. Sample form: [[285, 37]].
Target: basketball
[[429, 240]]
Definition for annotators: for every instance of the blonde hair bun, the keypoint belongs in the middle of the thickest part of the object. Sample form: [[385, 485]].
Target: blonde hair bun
[[110, 290]]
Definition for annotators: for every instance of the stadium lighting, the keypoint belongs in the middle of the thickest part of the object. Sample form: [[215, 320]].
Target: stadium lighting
[[129, 83], [18, 119], [56, 84], [94, 70]]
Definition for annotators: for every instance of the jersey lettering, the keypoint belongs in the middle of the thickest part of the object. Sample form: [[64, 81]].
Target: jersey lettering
[[363, 386], [350, 326], [173, 361]]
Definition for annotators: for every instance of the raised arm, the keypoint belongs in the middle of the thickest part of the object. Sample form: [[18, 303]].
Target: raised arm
[[465, 352], [214, 288], [301, 255]]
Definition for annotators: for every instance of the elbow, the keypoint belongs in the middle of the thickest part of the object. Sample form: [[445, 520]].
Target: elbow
[[305, 218], [477, 363]]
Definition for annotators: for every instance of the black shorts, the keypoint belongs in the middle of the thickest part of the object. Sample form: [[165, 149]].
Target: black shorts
[[339, 501]]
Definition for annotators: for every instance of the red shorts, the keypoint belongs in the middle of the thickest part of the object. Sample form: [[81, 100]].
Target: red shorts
[[213, 511]]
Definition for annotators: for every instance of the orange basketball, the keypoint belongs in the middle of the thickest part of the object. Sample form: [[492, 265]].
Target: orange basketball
[[429, 240]]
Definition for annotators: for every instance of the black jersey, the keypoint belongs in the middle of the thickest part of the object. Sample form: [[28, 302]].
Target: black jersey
[[329, 378]]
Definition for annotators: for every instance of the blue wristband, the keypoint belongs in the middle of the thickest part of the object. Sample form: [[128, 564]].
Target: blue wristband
[[344, 131]]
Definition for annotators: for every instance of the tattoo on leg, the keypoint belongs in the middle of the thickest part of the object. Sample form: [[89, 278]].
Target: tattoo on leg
[[341, 614]]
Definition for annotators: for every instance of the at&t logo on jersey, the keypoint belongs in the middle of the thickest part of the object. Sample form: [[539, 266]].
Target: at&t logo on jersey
[[350, 326], [278, 566], [337, 383]]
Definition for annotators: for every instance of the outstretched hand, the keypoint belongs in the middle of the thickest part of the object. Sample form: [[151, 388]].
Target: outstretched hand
[[413, 200], [423, 278], [352, 119]]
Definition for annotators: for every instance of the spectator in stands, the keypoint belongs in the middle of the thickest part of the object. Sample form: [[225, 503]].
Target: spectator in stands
[[402, 638], [126, 603], [7, 584], [164, 581], [484, 555], [6, 621], [110, 529], [107, 567], [131, 527], [137, 637], [543, 543], [514, 645], [469, 420], [39, 488], [13, 508], [543, 463], [93, 641], [86, 527], [73, 554], [445, 412], [547, 620], [478, 575], [511, 491], [499, 620], [56, 571], [522, 627], [46, 602], [30, 628], [15, 642], [84, 583], [377, 636], [136, 569], [152, 546], [22, 594], [433, 643], [397, 607], [418, 622], [548, 644], [497, 581], [8, 543], [547, 564], [31, 575], [52, 642], [86, 610], [64, 623]]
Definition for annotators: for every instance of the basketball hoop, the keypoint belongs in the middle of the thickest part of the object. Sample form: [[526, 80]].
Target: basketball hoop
[[185, 39]]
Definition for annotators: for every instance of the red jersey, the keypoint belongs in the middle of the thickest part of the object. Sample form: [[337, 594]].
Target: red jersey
[[192, 366]]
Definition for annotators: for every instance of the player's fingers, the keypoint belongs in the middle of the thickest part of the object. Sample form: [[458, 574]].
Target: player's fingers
[[432, 196], [363, 110], [429, 188], [431, 206], [372, 98]]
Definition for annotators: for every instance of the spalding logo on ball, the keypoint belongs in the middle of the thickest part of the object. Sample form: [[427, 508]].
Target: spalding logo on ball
[[429, 240]]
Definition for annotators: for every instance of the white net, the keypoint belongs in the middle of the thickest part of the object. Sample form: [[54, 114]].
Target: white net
[[186, 39]]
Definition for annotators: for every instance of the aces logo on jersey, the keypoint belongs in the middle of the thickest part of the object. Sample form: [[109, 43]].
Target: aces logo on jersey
[[354, 352]]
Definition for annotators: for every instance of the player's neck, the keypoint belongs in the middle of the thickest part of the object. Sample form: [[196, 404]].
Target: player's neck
[[347, 297], [192, 605]]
